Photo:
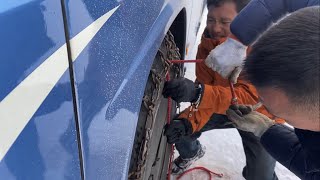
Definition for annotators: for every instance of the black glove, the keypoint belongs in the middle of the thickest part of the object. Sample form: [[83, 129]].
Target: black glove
[[177, 129], [181, 90]]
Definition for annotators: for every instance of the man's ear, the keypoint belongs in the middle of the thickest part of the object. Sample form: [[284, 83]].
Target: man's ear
[[274, 99]]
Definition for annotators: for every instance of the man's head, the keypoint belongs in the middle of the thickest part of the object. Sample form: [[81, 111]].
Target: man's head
[[284, 67], [220, 15]]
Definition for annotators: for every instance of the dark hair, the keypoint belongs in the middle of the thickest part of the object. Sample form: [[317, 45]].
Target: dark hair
[[240, 4], [287, 57]]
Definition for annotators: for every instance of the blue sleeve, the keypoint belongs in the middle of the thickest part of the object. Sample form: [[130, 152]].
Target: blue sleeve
[[300, 155], [258, 15]]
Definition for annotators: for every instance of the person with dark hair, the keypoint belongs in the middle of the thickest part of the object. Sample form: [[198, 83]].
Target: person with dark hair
[[284, 65], [253, 20], [213, 102]]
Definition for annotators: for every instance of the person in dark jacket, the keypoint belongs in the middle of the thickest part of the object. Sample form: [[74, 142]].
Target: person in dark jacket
[[284, 66], [251, 22]]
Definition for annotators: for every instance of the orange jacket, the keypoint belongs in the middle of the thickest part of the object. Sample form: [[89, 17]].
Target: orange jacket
[[216, 96]]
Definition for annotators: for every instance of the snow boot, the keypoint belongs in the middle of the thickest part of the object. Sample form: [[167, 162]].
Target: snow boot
[[179, 165]]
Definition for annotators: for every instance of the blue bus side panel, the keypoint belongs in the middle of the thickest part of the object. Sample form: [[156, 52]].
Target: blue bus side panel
[[31, 30], [110, 77]]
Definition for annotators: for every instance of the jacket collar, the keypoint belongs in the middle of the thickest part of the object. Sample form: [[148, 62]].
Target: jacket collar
[[208, 43], [310, 141]]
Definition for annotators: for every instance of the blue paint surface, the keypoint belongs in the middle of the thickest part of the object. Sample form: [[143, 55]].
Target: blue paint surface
[[47, 148]]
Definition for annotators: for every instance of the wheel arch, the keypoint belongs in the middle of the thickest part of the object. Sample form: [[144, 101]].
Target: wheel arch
[[179, 30]]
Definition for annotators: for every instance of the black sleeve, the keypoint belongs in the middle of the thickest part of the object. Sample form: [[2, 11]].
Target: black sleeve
[[258, 15], [284, 145]]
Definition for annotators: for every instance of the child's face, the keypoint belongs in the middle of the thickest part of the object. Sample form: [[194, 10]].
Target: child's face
[[220, 18]]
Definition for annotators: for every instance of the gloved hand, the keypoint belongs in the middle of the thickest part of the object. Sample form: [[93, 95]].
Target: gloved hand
[[177, 129], [246, 119], [226, 57], [181, 90]]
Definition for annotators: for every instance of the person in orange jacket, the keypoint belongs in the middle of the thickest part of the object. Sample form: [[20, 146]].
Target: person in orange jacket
[[211, 97]]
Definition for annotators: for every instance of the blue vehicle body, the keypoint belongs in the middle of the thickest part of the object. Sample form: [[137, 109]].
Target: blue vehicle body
[[72, 76]]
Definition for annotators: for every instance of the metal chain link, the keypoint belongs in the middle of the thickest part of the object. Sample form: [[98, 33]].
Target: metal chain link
[[150, 102]]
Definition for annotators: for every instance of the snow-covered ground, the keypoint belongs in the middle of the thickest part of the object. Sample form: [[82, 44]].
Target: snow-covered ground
[[224, 152]]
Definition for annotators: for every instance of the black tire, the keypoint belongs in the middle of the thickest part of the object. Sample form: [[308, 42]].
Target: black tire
[[150, 160]]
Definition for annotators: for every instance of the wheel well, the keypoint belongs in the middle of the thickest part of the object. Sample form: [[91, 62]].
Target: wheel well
[[178, 29]]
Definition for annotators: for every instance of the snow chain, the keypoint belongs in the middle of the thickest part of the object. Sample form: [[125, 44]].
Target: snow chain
[[158, 79]]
